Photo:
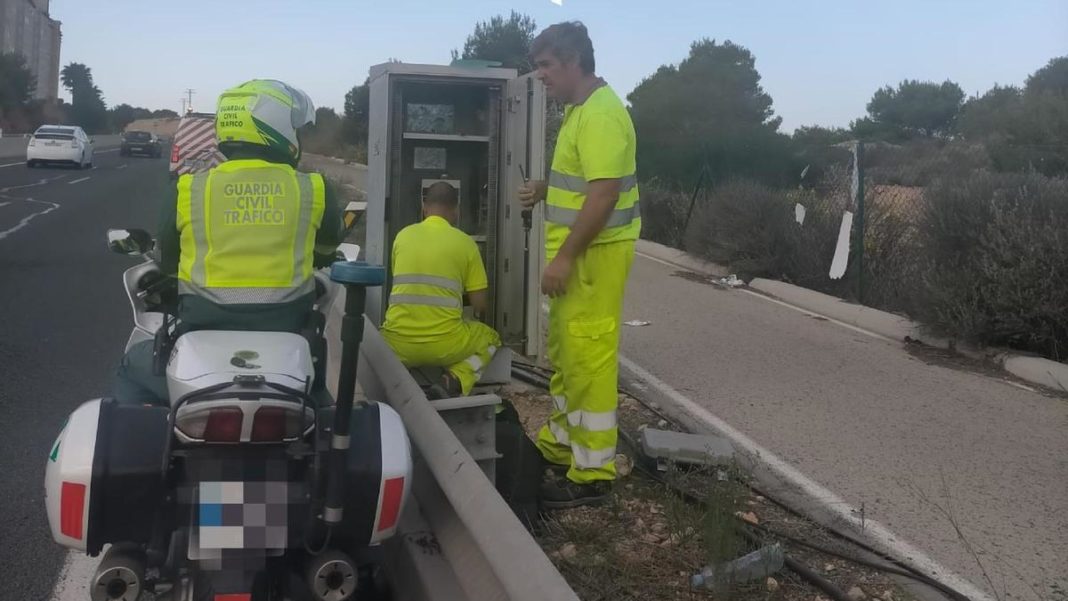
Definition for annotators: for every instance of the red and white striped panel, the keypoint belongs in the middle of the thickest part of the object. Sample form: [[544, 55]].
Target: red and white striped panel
[[197, 148]]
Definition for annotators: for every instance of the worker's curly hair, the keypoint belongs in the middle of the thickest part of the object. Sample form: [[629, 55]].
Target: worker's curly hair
[[567, 41]]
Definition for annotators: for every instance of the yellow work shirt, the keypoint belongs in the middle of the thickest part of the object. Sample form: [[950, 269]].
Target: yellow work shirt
[[433, 265], [596, 141]]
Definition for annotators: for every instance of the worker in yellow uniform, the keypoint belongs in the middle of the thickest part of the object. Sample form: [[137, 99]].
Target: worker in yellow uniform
[[592, 220], [434, 264]]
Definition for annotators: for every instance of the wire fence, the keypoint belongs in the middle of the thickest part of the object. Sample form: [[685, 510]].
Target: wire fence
[[839, 232]]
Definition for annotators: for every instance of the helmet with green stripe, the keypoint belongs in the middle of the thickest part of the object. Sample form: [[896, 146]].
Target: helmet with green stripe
[[263, 115]]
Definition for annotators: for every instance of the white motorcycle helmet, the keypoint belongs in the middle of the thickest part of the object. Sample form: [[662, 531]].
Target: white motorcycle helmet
[[263, 113]]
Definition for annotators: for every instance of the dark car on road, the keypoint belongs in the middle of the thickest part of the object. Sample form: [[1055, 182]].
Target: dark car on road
[[141, 142]]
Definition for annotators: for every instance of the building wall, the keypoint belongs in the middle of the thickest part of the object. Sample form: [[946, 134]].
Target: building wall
[[26, 28]]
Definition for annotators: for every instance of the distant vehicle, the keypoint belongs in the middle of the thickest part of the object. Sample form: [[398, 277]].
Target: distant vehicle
[[194, 148], [141, 142], [60, 144]]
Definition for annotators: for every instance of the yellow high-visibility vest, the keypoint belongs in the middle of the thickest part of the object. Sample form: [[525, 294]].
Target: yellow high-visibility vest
[[596, 141], [247, 231]]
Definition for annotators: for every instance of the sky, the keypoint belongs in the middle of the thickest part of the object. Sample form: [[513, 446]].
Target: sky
[[820, 60]]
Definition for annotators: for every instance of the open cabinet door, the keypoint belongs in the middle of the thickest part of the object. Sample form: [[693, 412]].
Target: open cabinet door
[[520, 318]]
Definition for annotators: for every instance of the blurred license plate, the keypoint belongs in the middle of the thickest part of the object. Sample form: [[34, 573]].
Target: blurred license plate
[[241, 515]]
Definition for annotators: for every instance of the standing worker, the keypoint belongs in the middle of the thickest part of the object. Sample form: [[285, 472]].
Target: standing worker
[[434, 264], [592, 220]]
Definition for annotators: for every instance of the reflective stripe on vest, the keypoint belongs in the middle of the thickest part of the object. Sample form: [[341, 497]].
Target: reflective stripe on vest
[[451, 291], [252, 231], [568, 217], [559, 216], [575, 183], [425, 299], [429, 280]]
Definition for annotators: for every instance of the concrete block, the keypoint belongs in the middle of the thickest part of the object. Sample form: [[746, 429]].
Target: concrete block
[[499, 370], [1043, 372], [681, 447]]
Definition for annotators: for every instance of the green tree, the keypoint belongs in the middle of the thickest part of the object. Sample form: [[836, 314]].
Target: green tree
[[164, 114], [990, 114], [917, 106], [815, 136], [816, 147], [17, 82], [87, 102], [357, 110], [709, 114], [124, 114], [503, 40], [1053, 78]]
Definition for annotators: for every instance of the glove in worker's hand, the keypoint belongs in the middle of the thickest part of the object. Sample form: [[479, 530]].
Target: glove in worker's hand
[[556, 275], [532, 192]]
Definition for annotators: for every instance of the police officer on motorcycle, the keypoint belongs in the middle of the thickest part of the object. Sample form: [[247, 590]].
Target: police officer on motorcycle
[[244, 238]]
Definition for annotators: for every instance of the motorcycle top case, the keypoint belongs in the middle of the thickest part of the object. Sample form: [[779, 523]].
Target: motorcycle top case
[[103, 480], [204, 358], [379, 474]]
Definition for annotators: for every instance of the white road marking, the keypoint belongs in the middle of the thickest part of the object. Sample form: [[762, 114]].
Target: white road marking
[[848, 326], [73, 582], [4, 204], [883, 539], [77, 181], [105, 151], [779, 302], [121, 167], [37, 183], [13, 164], [26, 220]]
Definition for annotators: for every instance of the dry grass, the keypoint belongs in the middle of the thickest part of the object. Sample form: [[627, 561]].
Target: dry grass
[[646, 542]]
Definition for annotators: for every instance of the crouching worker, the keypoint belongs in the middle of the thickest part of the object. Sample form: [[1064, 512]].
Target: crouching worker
[[434, 264]]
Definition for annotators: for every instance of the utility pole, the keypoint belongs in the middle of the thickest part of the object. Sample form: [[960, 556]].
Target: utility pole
[[183, 104], [189, 93]]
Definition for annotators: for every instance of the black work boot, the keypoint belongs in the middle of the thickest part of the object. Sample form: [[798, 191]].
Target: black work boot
[[452, 385], [562, 493]]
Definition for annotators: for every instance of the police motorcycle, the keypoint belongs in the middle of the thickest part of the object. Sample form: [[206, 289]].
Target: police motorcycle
[[243, 488]]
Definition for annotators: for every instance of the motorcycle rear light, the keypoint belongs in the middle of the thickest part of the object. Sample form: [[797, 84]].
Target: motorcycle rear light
[[174, 153], [234, 597], [269, 424], [274, 424], [224, 425]]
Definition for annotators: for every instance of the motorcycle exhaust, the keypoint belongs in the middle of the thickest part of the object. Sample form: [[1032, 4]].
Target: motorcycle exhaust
[[120, 576], [332, 576]]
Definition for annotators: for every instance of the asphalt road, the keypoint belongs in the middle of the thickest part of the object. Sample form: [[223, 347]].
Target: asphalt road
[[918, 446], [64, 319]]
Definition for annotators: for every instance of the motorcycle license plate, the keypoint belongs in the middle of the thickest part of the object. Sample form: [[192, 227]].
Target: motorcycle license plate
[[241, 515]]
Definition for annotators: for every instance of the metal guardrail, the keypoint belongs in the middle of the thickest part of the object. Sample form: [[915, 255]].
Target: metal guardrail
[[458, 539]]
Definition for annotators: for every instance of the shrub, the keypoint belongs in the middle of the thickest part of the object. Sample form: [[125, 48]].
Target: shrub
[[753, 228], [995, 250], [663, 214]]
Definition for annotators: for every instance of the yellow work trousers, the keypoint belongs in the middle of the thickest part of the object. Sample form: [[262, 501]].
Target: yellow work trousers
[[584, 327], [465, 351]]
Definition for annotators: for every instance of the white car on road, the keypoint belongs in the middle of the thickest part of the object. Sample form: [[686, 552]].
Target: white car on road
[[65, 144]]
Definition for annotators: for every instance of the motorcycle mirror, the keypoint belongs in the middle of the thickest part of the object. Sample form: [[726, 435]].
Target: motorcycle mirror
[[133, 242], [350, 251]]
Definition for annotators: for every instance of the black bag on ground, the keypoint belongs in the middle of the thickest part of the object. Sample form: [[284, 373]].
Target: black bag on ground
[[519, 470]]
